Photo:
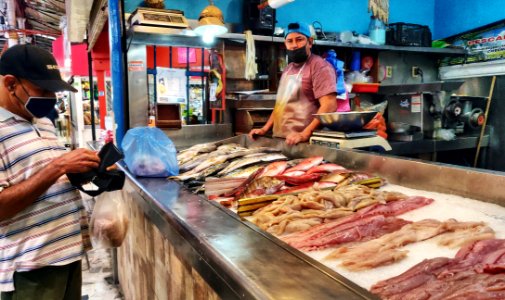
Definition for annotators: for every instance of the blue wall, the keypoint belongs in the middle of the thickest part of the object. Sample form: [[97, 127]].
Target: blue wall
[[345, 15], [444, 17], [335, 15], [453, 16]]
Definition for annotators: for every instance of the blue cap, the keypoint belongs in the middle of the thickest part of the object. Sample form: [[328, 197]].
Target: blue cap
[[298, 27]]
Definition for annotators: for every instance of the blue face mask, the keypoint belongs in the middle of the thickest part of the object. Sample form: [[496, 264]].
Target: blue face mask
[[38, 107]]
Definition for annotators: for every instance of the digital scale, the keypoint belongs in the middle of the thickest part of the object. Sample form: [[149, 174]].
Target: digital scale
[[159, 17], [343, 140]]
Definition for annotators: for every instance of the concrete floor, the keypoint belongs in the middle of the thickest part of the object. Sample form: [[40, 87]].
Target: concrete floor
[[97, 282]]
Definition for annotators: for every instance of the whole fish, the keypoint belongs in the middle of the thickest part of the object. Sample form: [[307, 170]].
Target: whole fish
[[306, 164], [209, 171], [210, 162], [275, 168], [233, 150], [293, 173], [227, 148], [294, 162], [214, 169], [182, 158], [224, 157], [262, 186], [243, 186], [298, 180], [187, 154], [246, 153], [251, 160], [184, 176], [195, 161], [206, 147], [190, 160], [245, 172], [192, 175], [325, 168]]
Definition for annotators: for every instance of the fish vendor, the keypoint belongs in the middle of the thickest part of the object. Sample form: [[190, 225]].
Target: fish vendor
[[307, 86]]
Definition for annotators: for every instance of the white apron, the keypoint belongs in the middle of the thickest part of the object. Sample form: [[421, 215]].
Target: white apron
[[293, 111]]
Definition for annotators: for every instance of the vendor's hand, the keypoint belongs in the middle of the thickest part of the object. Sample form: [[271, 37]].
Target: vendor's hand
[[297, 137], [254, 132], [77, 161]]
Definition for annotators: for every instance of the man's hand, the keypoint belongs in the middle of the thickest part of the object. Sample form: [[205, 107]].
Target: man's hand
[[77, 161], [297, 137], [19, 196], [254, 132]]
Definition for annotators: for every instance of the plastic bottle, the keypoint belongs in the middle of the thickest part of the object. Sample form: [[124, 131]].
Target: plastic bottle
[[377, 31]]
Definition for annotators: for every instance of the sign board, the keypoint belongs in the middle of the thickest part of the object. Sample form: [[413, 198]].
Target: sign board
[[136, 66], [171, 85], [485, 43]]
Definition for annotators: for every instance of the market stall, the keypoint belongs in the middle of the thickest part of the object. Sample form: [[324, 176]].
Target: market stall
[[180, 244]]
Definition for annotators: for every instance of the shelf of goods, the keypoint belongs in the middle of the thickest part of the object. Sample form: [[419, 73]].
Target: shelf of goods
[[150, 35], [181, 243], [274, 39]]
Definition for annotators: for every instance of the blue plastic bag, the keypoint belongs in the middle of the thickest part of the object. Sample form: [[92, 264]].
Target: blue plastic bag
[[331, 57], [149, 153]]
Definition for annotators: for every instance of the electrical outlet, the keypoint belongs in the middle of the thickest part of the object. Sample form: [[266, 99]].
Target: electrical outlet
[[415, 71], [389, 71]]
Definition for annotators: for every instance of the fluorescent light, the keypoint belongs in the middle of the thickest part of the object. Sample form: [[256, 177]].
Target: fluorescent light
[[208, 38], [213, 30]]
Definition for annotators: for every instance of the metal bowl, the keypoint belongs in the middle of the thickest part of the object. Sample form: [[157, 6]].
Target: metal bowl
[[346, 121]]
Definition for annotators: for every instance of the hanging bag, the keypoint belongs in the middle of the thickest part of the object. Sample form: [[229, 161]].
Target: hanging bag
[[109, 221]]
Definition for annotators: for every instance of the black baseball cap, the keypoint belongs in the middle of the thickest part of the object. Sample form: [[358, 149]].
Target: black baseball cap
[[35, 65]]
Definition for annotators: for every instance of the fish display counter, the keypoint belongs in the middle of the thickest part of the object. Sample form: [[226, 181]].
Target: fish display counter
[[180, 245]]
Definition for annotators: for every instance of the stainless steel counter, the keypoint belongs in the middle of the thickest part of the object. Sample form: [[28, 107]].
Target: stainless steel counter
[[240, 261], [190, 135]]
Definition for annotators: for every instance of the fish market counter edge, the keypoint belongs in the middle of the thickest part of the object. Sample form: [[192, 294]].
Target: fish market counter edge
[[181, 246]]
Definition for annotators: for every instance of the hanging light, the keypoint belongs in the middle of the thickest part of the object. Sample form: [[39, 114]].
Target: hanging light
[[210, 23]]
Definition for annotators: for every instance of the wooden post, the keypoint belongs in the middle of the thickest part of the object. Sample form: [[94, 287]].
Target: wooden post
[[483, 129]]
